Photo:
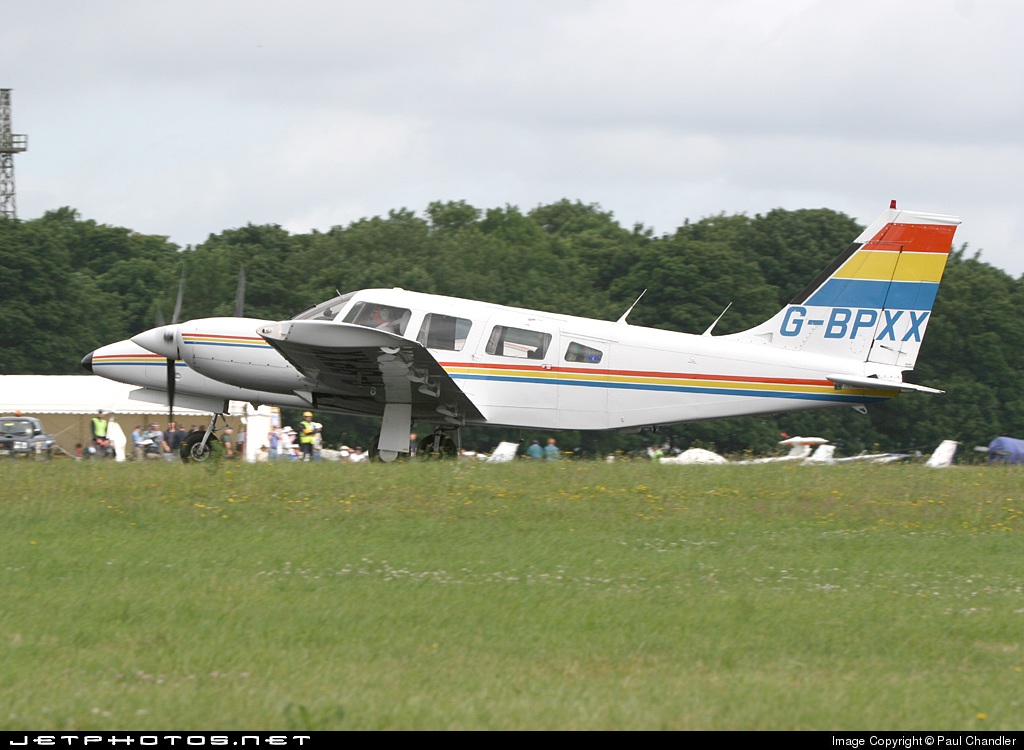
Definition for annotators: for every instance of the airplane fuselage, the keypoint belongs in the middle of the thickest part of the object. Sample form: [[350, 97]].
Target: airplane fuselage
[[519, 367], [405, 356]]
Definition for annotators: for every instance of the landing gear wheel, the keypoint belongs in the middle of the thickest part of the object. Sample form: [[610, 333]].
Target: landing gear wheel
[[374, 450], [445, 448], [376, 454], [193, 451]]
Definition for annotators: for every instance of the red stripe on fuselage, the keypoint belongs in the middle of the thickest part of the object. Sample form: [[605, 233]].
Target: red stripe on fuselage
[[637, 373]]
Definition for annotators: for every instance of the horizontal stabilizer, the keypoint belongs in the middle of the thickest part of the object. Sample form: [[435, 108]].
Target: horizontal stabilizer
[[879, 384]]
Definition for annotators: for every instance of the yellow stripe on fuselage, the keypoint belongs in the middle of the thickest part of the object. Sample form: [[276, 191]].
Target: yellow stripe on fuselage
[[616, 380]]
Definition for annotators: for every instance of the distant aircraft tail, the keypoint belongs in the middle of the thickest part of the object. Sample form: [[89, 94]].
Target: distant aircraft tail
[[872, 304], [943, 455]]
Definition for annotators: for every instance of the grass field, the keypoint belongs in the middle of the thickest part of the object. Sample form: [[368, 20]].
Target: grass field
[[519, 596]]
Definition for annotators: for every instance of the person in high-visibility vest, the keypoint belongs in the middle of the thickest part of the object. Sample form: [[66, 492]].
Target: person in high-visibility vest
[[99, 434], [307, 435]]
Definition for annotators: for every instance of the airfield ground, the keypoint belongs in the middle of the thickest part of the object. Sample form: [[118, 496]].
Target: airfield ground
[[515, 596]]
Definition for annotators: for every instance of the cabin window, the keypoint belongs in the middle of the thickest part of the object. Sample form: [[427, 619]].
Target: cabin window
[[444, 332], [382, 317], [506, 341], [580, 353]]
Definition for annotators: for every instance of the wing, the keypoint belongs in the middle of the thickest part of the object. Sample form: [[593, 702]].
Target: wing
[[360, 370]]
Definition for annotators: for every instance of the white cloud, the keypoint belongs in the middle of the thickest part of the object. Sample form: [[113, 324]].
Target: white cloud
[[191, 117]]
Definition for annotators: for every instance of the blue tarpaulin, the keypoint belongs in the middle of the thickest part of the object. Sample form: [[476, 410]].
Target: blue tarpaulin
[[1006, 450]]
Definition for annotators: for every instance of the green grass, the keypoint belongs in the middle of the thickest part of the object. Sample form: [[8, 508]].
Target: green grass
[[519, 596]]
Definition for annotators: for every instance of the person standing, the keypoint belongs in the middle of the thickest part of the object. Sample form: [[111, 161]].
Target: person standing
[[318, 441], [181, 434], [273, 443], [99, 434], [138, 449], [173, 437], [158, 443], [307, 435], [287, 442]]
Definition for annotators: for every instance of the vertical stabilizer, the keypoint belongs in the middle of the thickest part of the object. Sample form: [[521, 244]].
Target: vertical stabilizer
[[873, 303], [943, 455]]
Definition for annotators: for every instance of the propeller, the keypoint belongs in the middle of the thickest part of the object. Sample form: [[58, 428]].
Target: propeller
[[171, 360], [169, 332], [181, 296]]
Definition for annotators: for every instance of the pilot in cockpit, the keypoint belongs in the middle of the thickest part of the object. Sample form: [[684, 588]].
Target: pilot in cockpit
[[380, 318], [390, 319]]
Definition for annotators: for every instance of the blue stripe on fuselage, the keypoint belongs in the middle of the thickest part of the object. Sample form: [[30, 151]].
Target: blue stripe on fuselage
[[742, 392]]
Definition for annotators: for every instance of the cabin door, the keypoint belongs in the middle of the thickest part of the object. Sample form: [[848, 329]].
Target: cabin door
[[515, 370], [583, 373]]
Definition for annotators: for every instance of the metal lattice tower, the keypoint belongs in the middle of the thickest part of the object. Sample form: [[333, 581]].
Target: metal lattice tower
[[10, 144]]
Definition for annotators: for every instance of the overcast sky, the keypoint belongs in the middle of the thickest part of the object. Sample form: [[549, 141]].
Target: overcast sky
[[190, 117]]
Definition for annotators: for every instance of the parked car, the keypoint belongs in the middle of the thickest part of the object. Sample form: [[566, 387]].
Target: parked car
[[24, 437]]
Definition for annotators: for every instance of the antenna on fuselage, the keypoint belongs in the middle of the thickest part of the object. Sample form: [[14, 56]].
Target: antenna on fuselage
[[626, 314], [711, 327]]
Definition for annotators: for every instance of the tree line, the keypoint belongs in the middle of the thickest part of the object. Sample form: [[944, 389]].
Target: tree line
[[69, 285]]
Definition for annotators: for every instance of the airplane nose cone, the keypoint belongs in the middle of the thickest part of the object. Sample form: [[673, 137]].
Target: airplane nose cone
[[162, 341], [87, 361]]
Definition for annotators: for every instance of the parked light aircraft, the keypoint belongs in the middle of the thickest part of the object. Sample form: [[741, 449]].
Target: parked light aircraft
[[823, 455], [408, 357], [799, 450]]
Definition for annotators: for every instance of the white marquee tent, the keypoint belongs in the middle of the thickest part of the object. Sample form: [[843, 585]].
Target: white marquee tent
[[66, 403]]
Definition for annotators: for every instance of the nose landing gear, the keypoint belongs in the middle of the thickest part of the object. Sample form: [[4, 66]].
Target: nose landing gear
[[200, 446]]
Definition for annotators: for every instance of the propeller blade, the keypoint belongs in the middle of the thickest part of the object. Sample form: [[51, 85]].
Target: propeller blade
[[181, 295], [240, 294], [170, 389], [160, 322], [171, 381]]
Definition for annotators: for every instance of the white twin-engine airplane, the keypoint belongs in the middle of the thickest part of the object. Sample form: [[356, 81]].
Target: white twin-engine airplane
[[408, 357]]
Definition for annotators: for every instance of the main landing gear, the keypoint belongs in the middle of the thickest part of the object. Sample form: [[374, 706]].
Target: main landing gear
[[442, 444], [438, 446]]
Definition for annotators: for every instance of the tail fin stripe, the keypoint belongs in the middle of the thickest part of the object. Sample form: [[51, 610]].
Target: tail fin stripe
[[882, 266], [919, 238], [904, 295], [920, 267], [871, 265], [865, 293]]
